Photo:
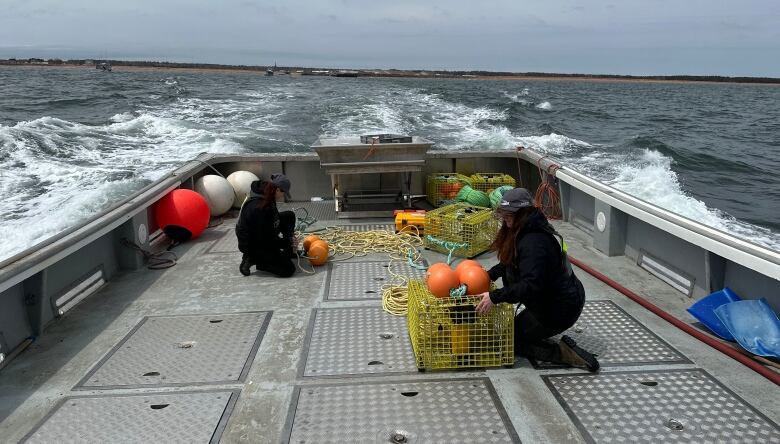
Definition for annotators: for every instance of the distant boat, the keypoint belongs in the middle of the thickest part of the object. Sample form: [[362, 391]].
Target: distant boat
[[103, 66], [270, 71]]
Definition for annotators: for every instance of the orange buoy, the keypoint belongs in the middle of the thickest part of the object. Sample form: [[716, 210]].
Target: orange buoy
[[475, 279], [182, 214], [436, 266], [308, 240], [441, 280], [318, 252], [465, 264]]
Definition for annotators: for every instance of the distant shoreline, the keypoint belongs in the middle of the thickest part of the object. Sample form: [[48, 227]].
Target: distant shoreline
[[135, 66]]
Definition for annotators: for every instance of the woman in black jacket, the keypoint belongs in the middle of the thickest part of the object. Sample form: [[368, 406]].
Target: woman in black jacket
[[536, 273], [265, 235]]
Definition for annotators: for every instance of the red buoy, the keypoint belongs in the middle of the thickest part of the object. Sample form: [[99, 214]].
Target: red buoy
[[182, 214]]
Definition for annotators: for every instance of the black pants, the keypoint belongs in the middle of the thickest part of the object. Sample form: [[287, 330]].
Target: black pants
[[531, 338], [279, 263]]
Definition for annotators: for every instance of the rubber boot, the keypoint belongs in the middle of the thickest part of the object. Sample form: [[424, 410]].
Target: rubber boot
[[576, 356], [245, 267]]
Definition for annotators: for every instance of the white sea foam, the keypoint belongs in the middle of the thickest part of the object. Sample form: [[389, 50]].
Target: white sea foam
[[518, 97], [57, 173], [547, 106]]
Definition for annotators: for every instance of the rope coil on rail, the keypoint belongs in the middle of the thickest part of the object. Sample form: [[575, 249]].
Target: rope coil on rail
[[547, 198]]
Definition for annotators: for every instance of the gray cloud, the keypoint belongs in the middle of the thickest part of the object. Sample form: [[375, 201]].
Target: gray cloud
[[632, 37]]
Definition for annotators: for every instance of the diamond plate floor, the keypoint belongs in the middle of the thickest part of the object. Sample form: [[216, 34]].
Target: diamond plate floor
[[355, 281], [367, 227], [324, 210], [682, 406], [617, 338], [357, 341], [182, 350], [139, 418], [452, 411]]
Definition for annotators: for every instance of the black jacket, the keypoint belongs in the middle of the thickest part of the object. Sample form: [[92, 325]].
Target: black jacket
[[257, 229], [539, 276]]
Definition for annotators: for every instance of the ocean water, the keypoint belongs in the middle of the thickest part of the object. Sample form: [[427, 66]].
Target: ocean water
[[74, 141]]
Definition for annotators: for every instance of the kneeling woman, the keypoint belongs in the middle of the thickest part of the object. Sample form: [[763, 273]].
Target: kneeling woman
[[265, 235], [536, 273]]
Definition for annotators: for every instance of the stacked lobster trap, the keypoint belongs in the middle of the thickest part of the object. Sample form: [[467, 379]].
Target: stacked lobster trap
[[460, 229]]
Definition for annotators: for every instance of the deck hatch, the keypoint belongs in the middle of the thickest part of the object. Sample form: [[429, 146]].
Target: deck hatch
[[182, 350], [356, 341], [618, 338], [460, 410], [150, 417], [659, 406], [364, 280]]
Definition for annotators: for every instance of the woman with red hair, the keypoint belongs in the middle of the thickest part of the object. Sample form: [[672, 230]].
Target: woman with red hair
[[265, 235]]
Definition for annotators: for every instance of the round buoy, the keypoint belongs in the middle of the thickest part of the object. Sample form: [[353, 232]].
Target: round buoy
[[466, 263], [242, 183], [475, 279], [218, 193], [318, 252], [497, 194], [182, 214], [473, 197], [441, 280], [308, 240]]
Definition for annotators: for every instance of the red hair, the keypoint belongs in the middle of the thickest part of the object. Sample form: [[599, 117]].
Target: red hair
[[269, 195], [506, 239]]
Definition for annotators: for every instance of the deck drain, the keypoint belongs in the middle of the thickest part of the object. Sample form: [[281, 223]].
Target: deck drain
[[152, 374], [375, 363], [215, 321], [674, 424], [386, 335], [158, 406], [649, 383], [185, 344], [410, 394]]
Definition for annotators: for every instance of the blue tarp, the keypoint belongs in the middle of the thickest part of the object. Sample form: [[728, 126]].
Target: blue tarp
[[704, 311], [753, 324]]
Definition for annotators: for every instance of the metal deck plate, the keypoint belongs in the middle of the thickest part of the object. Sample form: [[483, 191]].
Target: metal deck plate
[[227, 243], [351, 281], [367, 227], [659, 406], [357, 341], [618, 338], [324, 210], [139, 418], [182, 350], [453, 411]]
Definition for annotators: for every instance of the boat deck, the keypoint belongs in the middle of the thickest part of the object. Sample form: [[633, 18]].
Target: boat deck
[[313, 358]]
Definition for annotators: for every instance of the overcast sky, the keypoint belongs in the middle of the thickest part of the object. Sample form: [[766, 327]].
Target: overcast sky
[[615, 37]]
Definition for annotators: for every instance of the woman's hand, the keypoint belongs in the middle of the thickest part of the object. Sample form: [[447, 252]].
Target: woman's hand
[[485, 305]]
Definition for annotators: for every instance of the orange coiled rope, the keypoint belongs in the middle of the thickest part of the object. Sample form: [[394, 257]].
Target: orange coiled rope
[[547, 198]]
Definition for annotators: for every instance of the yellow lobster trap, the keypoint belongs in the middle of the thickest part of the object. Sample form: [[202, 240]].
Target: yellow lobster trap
[[488, 182], [447, 333], [460, 229], [443, 188]]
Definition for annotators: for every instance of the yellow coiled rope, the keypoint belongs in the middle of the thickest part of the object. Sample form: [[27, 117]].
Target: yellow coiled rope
[[401, 247]]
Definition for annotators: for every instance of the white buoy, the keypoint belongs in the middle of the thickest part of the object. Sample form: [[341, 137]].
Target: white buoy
[[217, 192], [241, 182]]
